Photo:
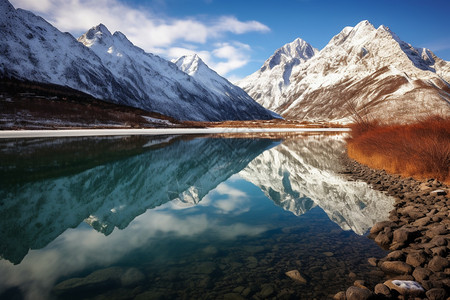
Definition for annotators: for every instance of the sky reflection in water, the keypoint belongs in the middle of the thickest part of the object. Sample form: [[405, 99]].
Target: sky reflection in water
[[274, 188]]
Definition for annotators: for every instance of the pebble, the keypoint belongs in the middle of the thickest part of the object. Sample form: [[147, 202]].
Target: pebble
[[417, 232]]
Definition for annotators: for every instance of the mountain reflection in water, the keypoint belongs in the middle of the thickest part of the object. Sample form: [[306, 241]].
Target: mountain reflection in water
[[303, 173], [116, 190], [162, 189]]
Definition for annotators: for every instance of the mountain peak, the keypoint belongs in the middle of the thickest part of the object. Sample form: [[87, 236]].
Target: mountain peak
[[97, 34], [364, 24], [100, 29], [189, 63], [364, 30], [193, 59], [356, 62], [123, 39], [295, 50], [275, 75]]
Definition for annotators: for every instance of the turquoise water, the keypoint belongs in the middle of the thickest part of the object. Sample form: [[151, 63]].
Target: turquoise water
[[182, 218]]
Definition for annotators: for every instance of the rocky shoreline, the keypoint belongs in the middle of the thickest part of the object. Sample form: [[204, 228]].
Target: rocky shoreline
[[417, 235]]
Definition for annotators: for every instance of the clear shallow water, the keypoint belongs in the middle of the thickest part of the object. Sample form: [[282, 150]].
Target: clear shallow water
[[177, 218]]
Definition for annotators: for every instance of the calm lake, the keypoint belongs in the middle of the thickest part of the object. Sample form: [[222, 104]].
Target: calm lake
[[178, 217]]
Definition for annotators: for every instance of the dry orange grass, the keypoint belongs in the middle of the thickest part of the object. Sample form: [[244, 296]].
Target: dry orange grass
[[420, 150]]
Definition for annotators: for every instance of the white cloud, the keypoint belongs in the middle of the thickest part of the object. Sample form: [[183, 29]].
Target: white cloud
[[438, 45], [224, 58], [140, 25], [156, 34], [235, 54], [38, 6], [234, 25], [86, 247], [234, 79]]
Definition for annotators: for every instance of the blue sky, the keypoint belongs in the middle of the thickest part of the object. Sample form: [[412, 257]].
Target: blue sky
[[236, 37]]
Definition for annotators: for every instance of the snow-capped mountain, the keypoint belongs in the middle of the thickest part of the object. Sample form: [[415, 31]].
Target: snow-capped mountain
[[268, 84], [32, 49], [110, 188], [368, 69], [223, 90], [108, 66], [302, 173]]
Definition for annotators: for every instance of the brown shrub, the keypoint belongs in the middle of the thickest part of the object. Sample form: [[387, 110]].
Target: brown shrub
[[420, 150]]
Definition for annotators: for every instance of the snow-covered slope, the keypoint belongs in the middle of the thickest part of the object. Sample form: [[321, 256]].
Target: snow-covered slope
[[370, 70], [112, 189], [32, 49], [303, 173], [158, 85], [110, 67], [268, 84], [223, 90]]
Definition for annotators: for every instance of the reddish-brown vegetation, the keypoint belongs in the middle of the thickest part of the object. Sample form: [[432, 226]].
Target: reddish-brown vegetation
[[420, 150]]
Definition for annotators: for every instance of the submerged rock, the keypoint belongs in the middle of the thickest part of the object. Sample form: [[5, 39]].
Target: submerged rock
[[339, 296], [132, 277], [295, 275], [96, 280]]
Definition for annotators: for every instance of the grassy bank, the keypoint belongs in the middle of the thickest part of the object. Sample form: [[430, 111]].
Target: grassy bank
[[420, 150]]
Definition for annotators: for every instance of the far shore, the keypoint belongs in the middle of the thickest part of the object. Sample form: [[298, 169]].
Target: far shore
[[151, 131]]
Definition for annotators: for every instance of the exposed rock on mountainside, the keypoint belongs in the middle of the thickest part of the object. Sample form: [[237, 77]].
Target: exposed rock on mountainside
[[109, 67], [362, 69], [223, 90], [268, 84]]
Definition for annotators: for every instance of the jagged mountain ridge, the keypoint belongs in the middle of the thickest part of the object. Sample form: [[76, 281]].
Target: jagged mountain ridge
[[32, 49], [268, 84], [109, 67], [369, 69], [194, 66]]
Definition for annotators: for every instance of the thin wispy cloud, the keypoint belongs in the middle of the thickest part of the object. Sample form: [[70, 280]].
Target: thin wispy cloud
[[151, 32], [439, 45]]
